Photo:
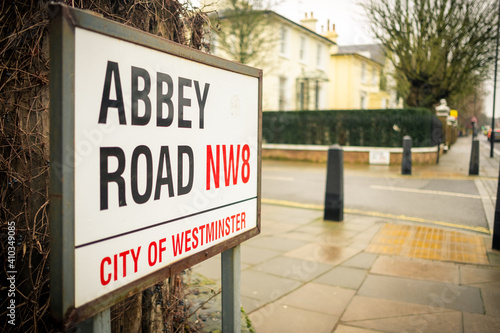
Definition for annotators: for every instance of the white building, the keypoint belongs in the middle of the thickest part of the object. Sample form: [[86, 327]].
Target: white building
[[300, 79], [295, 68]]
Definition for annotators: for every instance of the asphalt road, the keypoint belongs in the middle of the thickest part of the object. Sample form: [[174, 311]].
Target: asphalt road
[[453, 201]]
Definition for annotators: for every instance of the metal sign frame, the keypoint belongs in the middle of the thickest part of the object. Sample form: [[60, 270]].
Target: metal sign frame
[[64, 20]]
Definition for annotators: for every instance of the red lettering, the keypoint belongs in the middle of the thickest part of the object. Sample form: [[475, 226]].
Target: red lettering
[[238, 222], [221, 229], [228, 228], [152, 257], [114, 262], [243, 221], [211, 233], [201, 233], [195, 238], [105, 281], [123, 255], [187, 239], [115, 267], [162, 248], [232, 220], [231, 167], [215, 167], [177, 244], [135, 257], [246, 164]]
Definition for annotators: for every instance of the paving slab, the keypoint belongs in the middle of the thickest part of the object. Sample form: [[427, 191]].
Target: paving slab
[[351, 329], [491, 298], [292, 268], [475, 274], [255, 255], [276, 228], [250, 304], [474, 323], [364, 308], [301, 277], [317, 229], [363, 260], [368, 234], [319, 298], [275, 318], [493, 257], [416, 269], [447, 322], [297, 235], [264, 286], [345, 277], [324, 253], [332, 235], [463, 298], [275, 243], [354, 223]]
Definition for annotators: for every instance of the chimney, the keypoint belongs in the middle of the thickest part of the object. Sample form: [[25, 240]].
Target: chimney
[[331, 34], [309, 23]]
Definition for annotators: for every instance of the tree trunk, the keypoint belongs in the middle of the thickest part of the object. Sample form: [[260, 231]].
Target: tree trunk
[[127, 315], [153, 309], [413, 98]]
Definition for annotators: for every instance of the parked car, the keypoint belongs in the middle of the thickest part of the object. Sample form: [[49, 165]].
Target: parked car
[[497, 134]]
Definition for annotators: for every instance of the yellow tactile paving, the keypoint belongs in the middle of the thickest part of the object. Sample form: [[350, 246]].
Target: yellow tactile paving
[[429, 243]]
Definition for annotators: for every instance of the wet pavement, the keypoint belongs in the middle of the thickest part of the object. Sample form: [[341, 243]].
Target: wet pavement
[[368, 273]]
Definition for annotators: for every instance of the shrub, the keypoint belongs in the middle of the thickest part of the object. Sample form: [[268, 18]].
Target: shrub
[[371, 128]]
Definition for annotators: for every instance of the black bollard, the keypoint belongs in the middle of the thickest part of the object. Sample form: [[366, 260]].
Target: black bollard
[[474, 158], [406, 159], [334, 197]]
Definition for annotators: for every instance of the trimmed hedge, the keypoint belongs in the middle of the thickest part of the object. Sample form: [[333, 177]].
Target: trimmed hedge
[[370, 128]]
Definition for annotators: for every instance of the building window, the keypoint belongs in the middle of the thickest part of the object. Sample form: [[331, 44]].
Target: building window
[[374, 76], [283, 41], [363, 100], [302, 50], [319, 50], [363, 72], [383, 104], [302, 98], [317, 95], [282, 93], [303, 94]]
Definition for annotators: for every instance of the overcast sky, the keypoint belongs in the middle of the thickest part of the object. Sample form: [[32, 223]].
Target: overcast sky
[[353, 28], [351, 24], [349, 19]]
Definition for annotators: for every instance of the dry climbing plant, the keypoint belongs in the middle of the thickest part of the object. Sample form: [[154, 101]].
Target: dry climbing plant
[[24, 158]]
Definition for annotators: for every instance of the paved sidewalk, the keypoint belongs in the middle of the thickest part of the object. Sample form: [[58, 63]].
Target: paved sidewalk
[[368, 274]]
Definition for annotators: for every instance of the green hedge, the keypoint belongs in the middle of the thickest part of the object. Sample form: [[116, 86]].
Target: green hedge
[[371, 128]]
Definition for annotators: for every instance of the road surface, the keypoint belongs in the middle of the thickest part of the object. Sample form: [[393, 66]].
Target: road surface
[[373, 190]]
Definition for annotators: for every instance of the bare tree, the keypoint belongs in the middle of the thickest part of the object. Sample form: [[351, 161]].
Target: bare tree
[[245, 31], [25, 160], [440, 48]]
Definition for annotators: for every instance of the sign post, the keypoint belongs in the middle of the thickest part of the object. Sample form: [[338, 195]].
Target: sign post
[[155, 160], [231, 287], [100, 323]]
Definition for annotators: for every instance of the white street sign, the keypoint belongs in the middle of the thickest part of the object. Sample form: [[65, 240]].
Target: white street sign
[[166, 160]]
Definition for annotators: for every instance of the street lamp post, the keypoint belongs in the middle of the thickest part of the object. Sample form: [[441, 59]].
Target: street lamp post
[[496, 221], [492, 135]]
